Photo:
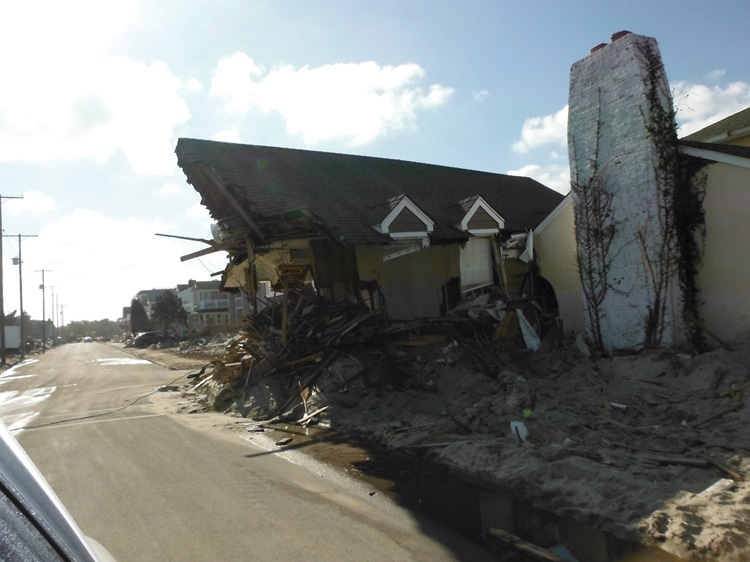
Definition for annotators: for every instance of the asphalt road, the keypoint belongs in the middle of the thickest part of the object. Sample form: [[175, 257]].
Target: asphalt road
[[148, 486]]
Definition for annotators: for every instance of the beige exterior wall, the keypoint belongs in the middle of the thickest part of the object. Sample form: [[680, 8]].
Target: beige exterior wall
[[725, 273], [724, 276], [413, 283], [555, 248]]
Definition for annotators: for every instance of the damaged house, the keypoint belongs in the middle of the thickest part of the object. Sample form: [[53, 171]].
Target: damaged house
[[404, 238]]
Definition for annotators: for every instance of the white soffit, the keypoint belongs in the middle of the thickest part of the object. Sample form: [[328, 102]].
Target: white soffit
[[716, 156]]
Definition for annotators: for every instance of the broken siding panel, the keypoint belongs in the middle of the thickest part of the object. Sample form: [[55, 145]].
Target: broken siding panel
[[369, 263], [334, 268], [413, 284]]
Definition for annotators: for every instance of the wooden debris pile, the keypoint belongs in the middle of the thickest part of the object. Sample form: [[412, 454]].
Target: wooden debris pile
[[299, 335]]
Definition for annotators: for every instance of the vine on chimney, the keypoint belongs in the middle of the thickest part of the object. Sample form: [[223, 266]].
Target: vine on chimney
[[595, 230], [678, 250]]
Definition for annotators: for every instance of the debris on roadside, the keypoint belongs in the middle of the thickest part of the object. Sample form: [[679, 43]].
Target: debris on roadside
[[609, 440]]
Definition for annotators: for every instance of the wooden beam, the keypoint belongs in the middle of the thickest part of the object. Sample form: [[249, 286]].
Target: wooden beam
[[199, 253], [211, 174], [251, 274], [210, 242]]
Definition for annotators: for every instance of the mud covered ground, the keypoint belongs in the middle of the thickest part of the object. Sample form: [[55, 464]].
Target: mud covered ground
[[652, 447]]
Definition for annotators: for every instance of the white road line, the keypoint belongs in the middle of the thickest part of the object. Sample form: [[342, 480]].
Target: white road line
[[59, 424]]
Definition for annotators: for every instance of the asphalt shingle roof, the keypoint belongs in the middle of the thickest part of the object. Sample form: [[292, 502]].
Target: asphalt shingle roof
[[734, 122], [349, 194]]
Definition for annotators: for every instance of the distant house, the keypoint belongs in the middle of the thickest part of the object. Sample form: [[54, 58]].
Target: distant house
[[124, 320], [148, 298], [406, 236], [207, 307]]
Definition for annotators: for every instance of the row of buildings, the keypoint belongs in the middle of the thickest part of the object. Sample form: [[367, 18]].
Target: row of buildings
[[208, 307]]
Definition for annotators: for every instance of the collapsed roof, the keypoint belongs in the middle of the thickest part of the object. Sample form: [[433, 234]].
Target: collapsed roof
[[282, 193]]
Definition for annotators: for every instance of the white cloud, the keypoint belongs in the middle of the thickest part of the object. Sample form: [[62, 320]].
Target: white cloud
[[699, 106], [33, 203], [227, 136], [554, 176], [193, 85], [65, 98], [538, 131], [353, 103], [480, 95], [98, 263], [197, 210], [168, 190], [50, 29], [715, 74]]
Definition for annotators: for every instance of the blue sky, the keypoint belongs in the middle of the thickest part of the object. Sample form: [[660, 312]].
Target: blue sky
[[95, 94]]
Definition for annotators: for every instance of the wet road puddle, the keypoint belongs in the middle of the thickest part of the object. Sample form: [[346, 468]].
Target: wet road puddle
[[466, 506]]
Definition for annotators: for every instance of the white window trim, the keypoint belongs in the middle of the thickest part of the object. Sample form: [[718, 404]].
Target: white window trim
[[409, 204], [480, 202]]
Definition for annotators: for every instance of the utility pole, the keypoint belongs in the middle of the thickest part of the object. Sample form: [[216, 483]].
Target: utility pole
[[44, 312], [3, 351], [20, 288], [52, 288], [58, 330], [62, 320]]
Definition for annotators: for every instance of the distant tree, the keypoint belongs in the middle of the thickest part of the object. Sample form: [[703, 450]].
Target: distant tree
[[11, 319], [35, 328], [168, 313], [139, 321], [96, 328]]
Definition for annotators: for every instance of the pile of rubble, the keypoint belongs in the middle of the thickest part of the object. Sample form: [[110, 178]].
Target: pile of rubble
[[630, 444]]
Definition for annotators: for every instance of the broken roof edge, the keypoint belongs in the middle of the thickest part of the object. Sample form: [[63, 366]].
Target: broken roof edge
[[184, 140]]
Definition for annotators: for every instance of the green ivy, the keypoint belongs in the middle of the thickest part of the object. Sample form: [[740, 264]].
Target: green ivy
[[681, 190]]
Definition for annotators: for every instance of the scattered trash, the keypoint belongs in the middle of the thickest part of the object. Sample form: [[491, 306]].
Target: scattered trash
[[529, 335], [518, 429], [718, 487], [169, 388]]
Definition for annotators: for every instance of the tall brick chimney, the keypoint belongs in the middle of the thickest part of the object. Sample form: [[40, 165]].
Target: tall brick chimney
[[608, 137]]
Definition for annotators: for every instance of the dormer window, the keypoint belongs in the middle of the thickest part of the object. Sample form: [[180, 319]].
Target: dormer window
[[481, 219], [405, 220]]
